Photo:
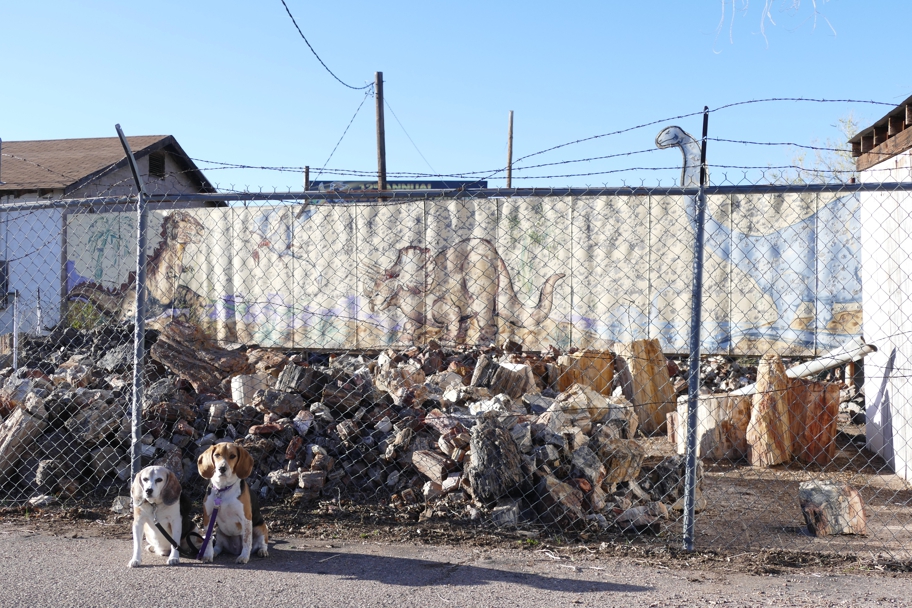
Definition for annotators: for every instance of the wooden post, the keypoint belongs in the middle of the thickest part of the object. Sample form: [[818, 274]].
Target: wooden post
[[306, 178], [510, 152], [381, 132]]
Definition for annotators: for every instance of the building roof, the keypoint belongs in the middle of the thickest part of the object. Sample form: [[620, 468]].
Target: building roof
[[72, 163], [887, 137]]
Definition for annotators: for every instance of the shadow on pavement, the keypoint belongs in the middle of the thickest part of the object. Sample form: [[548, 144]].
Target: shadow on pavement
[[408, 572]]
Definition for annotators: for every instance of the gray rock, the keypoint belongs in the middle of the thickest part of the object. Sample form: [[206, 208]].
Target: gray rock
[[506, 513], [104, 461], [122, 504]]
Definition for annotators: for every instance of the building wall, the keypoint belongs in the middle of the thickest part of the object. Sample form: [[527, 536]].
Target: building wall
[[32, 241], [886, 236]]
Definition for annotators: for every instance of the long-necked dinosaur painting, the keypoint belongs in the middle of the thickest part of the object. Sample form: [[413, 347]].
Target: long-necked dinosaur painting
[[815, 260]]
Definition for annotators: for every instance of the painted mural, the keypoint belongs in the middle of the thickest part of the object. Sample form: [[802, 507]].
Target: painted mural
[[780, 270]]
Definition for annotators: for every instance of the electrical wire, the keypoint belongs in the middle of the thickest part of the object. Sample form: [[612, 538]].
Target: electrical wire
[[287, 10]]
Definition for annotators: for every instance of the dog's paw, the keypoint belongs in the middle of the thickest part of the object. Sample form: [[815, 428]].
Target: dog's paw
[[173, 561], [241, 560], [134, 563], [207, 559], [263, 552]]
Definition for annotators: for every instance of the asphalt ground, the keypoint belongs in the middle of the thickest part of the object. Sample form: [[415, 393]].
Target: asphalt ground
[[39, 569]]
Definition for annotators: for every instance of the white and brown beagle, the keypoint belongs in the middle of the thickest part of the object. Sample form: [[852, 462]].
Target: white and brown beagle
[[156, 500], [240, 528]]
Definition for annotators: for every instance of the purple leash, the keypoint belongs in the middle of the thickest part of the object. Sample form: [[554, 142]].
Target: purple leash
[[217, 500]]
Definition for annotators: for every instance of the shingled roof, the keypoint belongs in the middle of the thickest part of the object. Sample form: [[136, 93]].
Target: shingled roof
[[71, 163]]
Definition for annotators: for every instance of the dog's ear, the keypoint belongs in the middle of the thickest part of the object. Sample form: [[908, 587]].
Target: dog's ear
[[136, 490], [206, 464], [244, 466], [172, 490]]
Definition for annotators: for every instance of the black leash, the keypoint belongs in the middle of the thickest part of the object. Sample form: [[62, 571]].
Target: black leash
[[185, 536]]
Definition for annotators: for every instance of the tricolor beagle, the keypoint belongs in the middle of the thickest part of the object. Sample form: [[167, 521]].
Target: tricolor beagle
[[156, 492], [240, 527]]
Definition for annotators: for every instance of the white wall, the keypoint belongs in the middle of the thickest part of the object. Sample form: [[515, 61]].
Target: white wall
[[886, 226]]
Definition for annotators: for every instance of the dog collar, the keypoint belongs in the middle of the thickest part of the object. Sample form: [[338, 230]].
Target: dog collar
[[217, 499]]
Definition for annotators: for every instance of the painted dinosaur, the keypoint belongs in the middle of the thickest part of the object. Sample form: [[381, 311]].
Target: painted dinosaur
[[813, 260], [163, 271], [465, 281]]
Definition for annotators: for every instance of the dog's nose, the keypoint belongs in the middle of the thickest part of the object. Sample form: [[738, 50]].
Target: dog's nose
[[222, 469], [149, 491]]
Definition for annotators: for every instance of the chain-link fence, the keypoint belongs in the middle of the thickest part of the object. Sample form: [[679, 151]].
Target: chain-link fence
[[515, 359]]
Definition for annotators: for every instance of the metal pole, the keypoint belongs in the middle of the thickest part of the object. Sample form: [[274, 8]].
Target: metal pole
[[693, 377], [139, 318], [381, 132], [306, 178], [40, 321], [510, 151], [15, 330]]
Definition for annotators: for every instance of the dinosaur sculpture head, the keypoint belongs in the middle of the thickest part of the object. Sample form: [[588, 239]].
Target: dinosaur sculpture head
[[671, 136], [676, 137]]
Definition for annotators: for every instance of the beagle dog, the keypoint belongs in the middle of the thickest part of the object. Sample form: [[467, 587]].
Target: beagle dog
[[239, 527], [156, 493]]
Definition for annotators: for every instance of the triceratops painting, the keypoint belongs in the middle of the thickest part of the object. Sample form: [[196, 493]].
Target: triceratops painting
[[468, 280]]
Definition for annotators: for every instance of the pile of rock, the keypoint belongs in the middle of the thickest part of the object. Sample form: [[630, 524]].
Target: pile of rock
[[457, 431]]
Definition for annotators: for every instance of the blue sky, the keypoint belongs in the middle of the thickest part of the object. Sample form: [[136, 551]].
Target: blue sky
[[234, 82]]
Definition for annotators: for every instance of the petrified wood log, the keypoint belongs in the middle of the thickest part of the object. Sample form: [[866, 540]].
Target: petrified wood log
[[433, 465], [495, 466], [831, 508], [813, 407], [513, 379], [594, 369], [622, 458], [768, 434], [188, 352], [18, 434], [653, 392], [295, 378], [559, 501]]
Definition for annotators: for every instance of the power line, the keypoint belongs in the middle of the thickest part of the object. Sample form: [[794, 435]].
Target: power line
[[366, 95], [386, 101], [287, 10]]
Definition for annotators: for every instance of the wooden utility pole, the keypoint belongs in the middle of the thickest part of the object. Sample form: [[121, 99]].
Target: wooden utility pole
[[381, 133], [510, 152]]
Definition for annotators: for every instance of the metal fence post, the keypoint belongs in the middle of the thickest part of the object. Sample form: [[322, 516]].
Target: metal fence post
[[16, 330], [693, 376], [139, 318]]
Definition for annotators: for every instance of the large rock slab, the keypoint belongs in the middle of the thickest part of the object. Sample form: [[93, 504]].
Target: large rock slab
[[831, 508]]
